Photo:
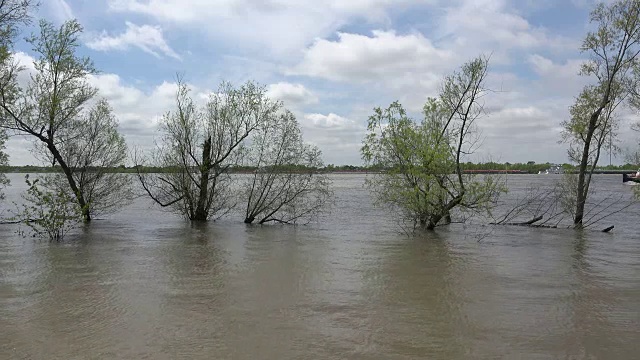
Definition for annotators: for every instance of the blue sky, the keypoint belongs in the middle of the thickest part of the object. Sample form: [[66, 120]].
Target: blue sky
[[333, 61]]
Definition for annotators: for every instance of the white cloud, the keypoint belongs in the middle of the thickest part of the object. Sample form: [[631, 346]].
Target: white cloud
[[324, 58], [492, 27], [292, 95], [518, 134], [546, 67], [26, 61], [60, 10], [385, 55], [206, 10], [137, 111], [280, 26], [556, 81], [338, 137], [145, 37]]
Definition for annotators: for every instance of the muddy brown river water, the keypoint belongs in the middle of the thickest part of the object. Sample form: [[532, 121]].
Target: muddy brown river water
[[144, 284]]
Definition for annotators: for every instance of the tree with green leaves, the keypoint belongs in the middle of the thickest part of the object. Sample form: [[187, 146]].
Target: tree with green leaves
[[13, 14], [424, 179], [200, 144], [91, 145], [48, 213], [613, 48], [51, 109], [286, 186]]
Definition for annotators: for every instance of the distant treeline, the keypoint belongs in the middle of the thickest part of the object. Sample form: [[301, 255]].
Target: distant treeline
[[515, 168]]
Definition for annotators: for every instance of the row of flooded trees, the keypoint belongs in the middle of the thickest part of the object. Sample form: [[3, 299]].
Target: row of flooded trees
[[74, 129], [202, 141], [425, 180], [235, 126]]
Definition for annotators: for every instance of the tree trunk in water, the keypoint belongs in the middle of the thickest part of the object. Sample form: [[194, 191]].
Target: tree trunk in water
[[581, 191], [249, 220], [201, 213], [433, 221], [447, 218], [86, 212], [446, 212]]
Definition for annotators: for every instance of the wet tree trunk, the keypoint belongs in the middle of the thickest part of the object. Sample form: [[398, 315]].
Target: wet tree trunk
[[445, 213], [86, 211], [202, 211], [583, 186], [249, 220]]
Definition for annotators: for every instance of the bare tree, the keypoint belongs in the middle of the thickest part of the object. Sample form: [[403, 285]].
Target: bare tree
[[424, 177], [286, 185], [613, 49], [198, 146], [50, 109]]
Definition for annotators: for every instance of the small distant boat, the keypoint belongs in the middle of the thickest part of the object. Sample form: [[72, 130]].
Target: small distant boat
[[554, 169], [631, 179]]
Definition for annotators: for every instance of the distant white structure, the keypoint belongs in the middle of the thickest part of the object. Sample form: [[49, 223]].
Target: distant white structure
[[554, 169]]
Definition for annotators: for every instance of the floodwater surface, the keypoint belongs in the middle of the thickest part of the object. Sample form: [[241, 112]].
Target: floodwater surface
[[144, 284]]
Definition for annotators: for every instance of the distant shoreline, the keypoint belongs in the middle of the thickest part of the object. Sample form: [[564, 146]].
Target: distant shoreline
[[347, 169]]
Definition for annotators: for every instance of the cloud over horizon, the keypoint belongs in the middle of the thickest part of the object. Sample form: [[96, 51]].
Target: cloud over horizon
[[332, 62]]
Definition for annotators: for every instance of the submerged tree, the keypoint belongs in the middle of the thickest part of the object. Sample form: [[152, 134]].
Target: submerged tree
[[50, 109], [92, 146], [199, 144], [424, 177], [49, 213], [614, 48], [286, 185]]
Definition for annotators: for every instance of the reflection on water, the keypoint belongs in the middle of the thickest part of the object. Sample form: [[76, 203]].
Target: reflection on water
[[144, 284]]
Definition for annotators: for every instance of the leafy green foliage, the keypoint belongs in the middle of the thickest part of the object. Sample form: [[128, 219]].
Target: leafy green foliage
[[51, 109], [421, 176], [424, 178], [49, 214]]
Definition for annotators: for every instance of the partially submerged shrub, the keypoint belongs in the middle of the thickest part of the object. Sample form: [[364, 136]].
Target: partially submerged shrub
[[48, 213]]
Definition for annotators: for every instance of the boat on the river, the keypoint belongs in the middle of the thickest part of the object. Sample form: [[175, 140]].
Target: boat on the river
[[554, 169], [631, 179]]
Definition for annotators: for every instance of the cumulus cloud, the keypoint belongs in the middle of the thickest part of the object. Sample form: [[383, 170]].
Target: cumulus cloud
[[492, 27], [383, 56], [26, 61], [338, 137], [405, 67], [137, 111], [292, 95], [60, 10], [280, 26], [332, 61], [149, 39], [529, 132], [546, 67]]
